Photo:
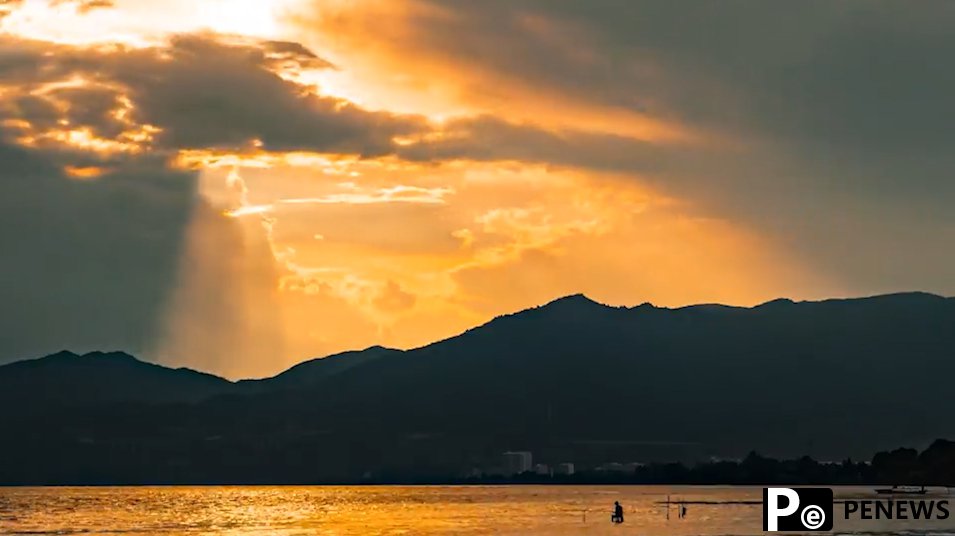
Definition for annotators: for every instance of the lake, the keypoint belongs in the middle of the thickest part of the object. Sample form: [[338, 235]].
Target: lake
[[424, 510]]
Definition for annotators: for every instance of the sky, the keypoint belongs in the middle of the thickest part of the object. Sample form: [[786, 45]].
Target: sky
[[238, 185]]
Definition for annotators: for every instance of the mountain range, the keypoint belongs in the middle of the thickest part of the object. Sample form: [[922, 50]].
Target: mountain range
[[572, 380]]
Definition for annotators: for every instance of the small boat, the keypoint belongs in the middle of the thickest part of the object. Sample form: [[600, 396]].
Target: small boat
[[901, 490]]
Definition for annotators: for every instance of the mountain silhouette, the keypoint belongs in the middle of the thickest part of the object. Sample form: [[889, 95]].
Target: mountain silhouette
[[790, 378], [315, 370], [100, 378], [569, 380]]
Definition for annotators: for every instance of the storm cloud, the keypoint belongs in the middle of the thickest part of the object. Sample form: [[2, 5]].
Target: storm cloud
[[86, 266], [96, 262], [200, 92], [824, 124]]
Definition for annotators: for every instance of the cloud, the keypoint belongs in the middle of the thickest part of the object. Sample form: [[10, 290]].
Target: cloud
[[394, 194], [205, 92], [198, 91], [393, 299], [803, 69], [488, 138], [83, 6], [86, 266], [210, 95], [130, 257], [111, 243], [7, 7], [633, 150], [822, 124], [289, 55], [353, 195]]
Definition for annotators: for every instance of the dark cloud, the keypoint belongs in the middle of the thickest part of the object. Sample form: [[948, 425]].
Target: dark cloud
[[835, 115], [489, 138], [101, 263], [842, 70], [202, 92], [86, 266], [135, 260], [290, 54], [93, 107], [206, 94]]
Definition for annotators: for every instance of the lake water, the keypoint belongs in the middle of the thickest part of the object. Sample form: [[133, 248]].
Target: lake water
[[424, 510]]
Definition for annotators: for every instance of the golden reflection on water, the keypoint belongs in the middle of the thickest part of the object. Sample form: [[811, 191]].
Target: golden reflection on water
[[381, 510]]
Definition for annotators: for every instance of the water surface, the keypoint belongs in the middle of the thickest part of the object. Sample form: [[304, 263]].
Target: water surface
[[374, 510]]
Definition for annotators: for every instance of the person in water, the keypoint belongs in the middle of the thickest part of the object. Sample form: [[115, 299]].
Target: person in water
[[617, 516]]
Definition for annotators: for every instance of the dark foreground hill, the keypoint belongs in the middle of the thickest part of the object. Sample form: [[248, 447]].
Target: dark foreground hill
[[65, 380], [571, 381], [96, 379]]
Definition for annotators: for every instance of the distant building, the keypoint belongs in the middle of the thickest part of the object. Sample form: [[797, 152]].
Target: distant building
[[564, 469], [542, 469], [515, 463]]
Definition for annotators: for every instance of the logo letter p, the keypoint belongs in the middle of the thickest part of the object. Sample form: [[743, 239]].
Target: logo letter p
[[771, 507]]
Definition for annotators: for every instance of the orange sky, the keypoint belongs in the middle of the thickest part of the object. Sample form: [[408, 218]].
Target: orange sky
[[476, 208]]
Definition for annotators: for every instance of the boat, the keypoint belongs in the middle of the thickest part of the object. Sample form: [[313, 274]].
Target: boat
[[902, 490]]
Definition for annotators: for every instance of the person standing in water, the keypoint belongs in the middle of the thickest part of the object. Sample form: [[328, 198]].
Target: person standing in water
[[617, 516]]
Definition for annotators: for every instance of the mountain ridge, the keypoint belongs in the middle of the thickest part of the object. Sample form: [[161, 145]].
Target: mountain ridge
[[571, 380], [577, 301]]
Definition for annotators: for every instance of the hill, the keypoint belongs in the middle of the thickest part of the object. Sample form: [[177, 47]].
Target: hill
[[831, 378], [311, 372], [97, 378], [571, 380], [69, 380]]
